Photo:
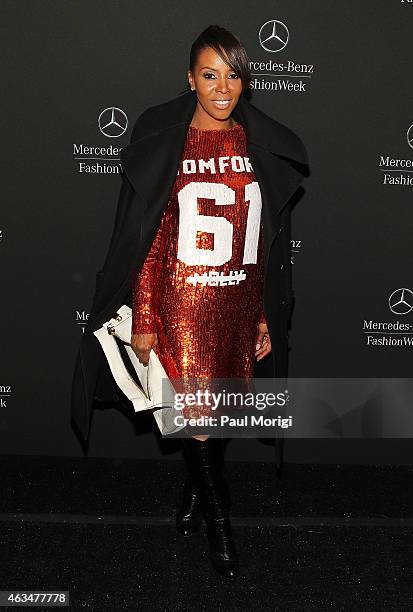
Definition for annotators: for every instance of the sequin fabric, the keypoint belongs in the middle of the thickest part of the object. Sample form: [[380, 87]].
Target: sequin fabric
[[200, 287]]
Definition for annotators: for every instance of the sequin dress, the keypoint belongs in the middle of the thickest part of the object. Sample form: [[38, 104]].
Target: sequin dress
[[200, 287]]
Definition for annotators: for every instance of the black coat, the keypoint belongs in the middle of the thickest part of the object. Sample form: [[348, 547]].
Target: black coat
[[150, 162]]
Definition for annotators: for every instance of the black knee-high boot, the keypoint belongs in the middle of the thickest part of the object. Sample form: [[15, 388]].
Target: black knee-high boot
[[189, 511], [207, 463]]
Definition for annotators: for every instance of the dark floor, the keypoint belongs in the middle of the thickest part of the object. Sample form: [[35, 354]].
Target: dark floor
[[324, 538]]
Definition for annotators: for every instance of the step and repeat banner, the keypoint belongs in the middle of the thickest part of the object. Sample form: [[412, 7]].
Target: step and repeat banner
[[77, 75]]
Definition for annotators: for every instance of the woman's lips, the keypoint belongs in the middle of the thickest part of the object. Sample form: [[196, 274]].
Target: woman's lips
[[221, 104]]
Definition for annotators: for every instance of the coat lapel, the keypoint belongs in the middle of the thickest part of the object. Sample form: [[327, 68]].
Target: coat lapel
[[151, 166]]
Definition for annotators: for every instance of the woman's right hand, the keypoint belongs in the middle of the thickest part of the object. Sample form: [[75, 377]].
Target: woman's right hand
[[142, 344]]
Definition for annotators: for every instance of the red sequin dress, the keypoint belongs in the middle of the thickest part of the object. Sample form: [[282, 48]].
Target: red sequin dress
[[200, 287]]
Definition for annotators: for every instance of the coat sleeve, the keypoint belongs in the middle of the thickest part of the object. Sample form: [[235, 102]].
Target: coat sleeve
[[262, 318]]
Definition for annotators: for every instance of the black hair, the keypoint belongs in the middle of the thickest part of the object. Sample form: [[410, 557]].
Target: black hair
[[228, 47]]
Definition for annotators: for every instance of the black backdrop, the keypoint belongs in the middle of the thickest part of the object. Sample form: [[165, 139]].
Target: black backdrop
[[342, 82]]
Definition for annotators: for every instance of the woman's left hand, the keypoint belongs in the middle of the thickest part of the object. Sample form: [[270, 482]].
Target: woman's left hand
[[263, 342]]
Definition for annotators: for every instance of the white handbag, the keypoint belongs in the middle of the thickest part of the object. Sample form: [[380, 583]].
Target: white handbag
[[156, 391]]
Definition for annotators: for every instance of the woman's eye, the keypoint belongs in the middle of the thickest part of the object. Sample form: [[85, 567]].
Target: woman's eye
[[210, 74]]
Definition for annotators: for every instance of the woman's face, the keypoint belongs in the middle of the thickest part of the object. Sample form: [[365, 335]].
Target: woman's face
[[215, 81]]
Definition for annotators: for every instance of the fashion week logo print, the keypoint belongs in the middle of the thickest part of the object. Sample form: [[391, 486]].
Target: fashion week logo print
[[284, 75], [81, 319], [273, 36], [113, 122], [5, 394], [398, 171], [401, 301], [93, 159], [392, 333]]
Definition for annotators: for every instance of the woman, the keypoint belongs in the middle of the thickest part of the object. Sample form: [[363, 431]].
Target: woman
[[199, 329], [217, 156]]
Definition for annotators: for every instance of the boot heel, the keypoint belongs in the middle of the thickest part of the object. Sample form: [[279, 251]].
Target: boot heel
[[223, 554]]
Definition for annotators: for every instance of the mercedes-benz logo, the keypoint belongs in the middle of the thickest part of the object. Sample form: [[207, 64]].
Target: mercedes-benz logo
[[410, 136], [273, 36], [401, 301], [113, 122]]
